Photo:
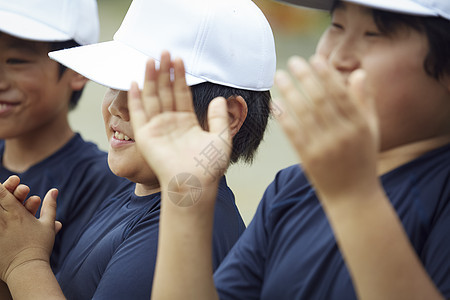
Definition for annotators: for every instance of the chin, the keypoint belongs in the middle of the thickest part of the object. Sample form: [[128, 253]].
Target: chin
[[118, 167]]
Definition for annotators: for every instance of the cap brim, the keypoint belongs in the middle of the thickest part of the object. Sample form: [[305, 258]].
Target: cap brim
[[398, 6], [26, 28], [112, 64]]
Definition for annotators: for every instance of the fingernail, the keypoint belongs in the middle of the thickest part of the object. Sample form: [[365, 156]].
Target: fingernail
[[55, 193]]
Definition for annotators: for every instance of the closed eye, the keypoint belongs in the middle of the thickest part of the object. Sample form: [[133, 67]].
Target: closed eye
[[372, 34], [337, 25], [16, 61]]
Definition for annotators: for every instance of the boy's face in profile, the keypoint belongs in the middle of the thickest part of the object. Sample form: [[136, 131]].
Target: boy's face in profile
[[411, 105], [124, 158], [32, 95]]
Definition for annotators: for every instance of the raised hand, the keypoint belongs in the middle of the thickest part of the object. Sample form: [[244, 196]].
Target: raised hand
[[166, 128], [25, 240], [333, 125]]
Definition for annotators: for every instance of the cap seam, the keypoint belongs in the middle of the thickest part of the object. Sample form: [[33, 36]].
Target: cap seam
[[200, 41]]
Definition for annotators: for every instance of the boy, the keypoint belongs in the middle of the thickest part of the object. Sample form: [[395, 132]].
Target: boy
[[230, 52], [36, 95], [371, 126]]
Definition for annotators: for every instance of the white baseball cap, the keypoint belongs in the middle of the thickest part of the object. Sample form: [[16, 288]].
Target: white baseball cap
[[228, 42], [51, 20], [435, 8]]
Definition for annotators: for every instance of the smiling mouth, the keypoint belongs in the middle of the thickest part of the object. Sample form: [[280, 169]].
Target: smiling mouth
[[5, 108], [6, 105], [121, 136]]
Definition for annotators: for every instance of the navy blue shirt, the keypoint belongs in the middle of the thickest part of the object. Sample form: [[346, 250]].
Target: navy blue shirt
[[79, 170], [289, 251], [116, 255]]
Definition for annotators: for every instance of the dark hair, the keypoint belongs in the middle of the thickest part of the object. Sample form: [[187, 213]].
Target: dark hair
[[54, 46], [437, 30], [251, 133]]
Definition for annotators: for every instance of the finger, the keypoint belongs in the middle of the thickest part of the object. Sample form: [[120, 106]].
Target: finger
[[58, 226], [7, 200], [164, 84], [218, 121], [312, 87], [32, 204], [182, 93], [150, 99], [301, 71], [290, 127], [296, 104], [293, 98], [21, 192], [340, 103], [138, 116], [48, 211], [11, 183]]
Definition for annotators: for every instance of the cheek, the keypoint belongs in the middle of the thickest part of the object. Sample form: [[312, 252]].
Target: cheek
[[395, 80], [105, 113]]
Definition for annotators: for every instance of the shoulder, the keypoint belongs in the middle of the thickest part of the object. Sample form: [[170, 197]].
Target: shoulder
[[289, 194], [287, 183], [426, 178], [80, 149]]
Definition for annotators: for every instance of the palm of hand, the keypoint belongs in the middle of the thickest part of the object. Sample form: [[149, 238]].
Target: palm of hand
[[333, 127], [174, 143], [167, 131]]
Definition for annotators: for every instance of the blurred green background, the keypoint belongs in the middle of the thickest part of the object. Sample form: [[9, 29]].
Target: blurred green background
[[296, 32]]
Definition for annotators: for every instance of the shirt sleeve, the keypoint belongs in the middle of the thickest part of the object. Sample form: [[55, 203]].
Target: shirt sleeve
[[240, 276]]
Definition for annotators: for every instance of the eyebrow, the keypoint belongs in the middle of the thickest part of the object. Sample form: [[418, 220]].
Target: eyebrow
[[26, 47]]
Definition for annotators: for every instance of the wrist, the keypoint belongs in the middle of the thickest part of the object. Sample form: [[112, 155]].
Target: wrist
[[27, 260], [188, 193], [33, 279]]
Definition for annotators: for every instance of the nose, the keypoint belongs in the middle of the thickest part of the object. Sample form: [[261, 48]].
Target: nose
[[344, 57], [119, 106]]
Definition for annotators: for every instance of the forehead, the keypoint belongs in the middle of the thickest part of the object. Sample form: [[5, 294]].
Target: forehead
[[9, 42], [351, 8]]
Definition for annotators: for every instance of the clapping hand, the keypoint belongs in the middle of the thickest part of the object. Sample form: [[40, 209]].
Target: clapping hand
[[331, 123], [24, 239], [166, 128]]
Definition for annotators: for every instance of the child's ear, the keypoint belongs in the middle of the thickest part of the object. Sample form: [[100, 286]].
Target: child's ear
[[77, 81], [237, 113]]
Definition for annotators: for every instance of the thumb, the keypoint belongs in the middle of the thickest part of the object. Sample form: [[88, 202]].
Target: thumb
[[48, 211], [58, 226], [218, 116]]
